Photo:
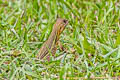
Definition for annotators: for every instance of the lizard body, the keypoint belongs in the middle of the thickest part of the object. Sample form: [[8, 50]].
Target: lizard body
[[49, 46]]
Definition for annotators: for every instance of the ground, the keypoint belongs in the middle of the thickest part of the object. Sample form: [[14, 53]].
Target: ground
[[91, 39]]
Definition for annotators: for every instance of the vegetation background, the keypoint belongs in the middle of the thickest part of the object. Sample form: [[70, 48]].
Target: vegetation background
[[93, 34]]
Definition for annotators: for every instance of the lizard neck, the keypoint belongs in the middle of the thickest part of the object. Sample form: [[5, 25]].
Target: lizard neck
[[53, 38]]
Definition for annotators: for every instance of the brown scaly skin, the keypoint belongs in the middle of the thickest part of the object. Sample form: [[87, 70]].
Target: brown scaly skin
[[50, 45]]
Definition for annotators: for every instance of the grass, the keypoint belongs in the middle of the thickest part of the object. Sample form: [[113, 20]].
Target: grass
[[93, 34]]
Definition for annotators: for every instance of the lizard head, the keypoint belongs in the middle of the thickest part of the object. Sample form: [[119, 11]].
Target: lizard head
[[60, 25]]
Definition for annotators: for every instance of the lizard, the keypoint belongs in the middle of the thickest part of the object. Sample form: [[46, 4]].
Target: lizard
[[49, 46]]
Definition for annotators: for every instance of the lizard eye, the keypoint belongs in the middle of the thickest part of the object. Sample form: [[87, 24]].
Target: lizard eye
[[65, 21]]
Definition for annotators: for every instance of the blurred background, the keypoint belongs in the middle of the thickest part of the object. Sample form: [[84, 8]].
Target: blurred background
[[92, 35]]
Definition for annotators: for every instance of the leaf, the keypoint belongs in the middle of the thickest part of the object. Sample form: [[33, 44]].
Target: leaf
[[31, 73], [108, 48], [29, 77], [16, 53], [117, 40], [108, 54], [87, 45], [77, 47], [118, 54], [62, 72]]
